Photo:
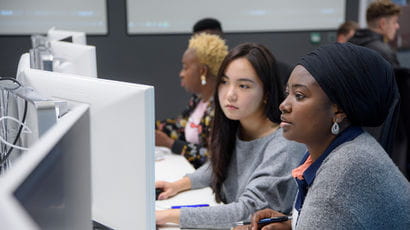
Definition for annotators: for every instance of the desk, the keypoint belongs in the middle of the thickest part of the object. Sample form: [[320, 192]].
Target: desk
[[172, 167]]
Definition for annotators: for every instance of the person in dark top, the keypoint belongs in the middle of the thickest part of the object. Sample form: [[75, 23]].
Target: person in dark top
[[382, 21], [208, 25], [213, 26], [346, 31]]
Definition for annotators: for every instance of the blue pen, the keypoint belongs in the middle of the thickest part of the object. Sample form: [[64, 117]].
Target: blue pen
[[190, 206], [266, 221]]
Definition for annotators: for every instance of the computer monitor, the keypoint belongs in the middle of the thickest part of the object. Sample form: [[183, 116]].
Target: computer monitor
[[49, 186], [24, 63], [74, 58], [66, 35], [122, 144]]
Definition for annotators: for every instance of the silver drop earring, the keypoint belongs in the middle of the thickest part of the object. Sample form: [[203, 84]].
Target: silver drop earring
[[335, 128], [203, 80]]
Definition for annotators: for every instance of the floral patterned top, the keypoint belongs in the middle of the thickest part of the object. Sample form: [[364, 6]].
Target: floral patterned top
[[196, 154]]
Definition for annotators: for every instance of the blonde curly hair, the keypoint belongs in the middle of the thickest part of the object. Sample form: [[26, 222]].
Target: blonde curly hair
[[210, 50]]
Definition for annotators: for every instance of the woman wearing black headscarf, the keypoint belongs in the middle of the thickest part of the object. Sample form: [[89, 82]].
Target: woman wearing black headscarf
[[346, 180]]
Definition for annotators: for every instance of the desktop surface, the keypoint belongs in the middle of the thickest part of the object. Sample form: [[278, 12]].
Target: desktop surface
[[171, 167]]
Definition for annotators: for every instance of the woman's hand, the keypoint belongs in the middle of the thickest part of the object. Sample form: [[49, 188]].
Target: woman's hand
[[162, 139], [268, 213], [170, 189], [167, 216]]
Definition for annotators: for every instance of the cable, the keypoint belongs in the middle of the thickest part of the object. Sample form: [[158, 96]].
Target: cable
[[18, 84], [17, 136], [10, 79]]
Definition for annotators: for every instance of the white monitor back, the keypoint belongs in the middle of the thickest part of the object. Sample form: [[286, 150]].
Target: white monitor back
[[74, 58], [57, 35], [48, 186], [24, 63], [122, 144]]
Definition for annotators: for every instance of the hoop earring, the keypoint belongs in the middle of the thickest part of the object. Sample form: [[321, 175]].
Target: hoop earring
[[203, 80], [335, 128]]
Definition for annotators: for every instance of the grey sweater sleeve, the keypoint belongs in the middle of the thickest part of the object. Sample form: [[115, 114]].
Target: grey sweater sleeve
[[201, 177], [270, 185]]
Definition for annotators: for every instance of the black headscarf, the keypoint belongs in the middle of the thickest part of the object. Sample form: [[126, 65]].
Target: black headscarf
[[361, 82]]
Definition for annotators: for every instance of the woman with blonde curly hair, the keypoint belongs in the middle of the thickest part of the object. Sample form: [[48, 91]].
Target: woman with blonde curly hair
[[188, 133]]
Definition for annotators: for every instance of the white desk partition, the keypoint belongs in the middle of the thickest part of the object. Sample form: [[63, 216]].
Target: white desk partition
[[171, 167]]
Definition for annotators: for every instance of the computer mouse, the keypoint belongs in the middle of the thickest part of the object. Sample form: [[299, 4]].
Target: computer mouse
[[157, 192]]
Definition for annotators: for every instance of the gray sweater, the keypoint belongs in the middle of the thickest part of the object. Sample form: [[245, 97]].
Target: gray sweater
[[357, 187], [259, 176]]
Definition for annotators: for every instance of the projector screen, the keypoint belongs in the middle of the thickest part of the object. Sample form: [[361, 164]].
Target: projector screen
[[28, 17], [178, 16]]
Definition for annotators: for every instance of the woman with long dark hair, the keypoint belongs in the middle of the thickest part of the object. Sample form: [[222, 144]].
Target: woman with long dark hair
[[250, 161]]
